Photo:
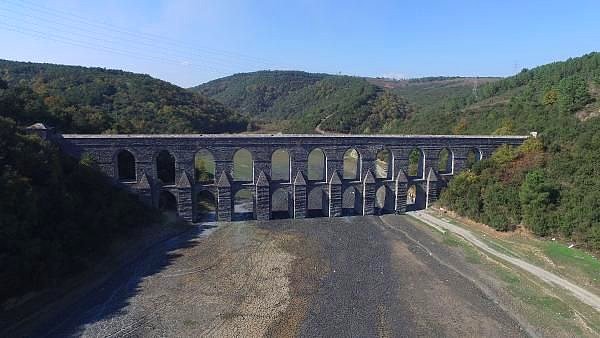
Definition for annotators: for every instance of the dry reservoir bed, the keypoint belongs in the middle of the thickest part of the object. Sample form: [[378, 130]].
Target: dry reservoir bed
[[352, 276]]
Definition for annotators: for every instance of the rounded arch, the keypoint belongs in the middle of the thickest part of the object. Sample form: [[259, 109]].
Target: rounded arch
[[125, 166], [446, 161], [165, 167], [204, 166], [474, 155], [415, 197], [351, 202], [206, 206], [243, 205], [280, 207], [167, 201], [384, 164], [416, 163], [317, 203], [280, 165], [384, 200], [352, 165], [317, 165], [243, 166]]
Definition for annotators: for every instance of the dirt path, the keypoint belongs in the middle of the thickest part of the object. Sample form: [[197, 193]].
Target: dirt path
[[582, 294], [318, 127]]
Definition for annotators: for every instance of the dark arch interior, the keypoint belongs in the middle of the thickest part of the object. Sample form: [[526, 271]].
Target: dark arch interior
[[384, 200], [317, 203], [243, 205], [126, 166], [206, 206], [351, 202], [280, 207], [165, 167], [473, 156], [167, 201], [415, 197]]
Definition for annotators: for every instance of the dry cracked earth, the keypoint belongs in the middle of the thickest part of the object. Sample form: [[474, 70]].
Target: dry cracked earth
[[354, 276]]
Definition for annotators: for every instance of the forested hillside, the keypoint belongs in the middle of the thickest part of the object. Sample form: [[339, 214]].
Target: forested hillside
[[301, 101], [97, 100], [56, 214], [551, 186]]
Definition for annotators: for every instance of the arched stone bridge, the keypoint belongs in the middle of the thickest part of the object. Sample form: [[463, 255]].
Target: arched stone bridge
[[377, 181]]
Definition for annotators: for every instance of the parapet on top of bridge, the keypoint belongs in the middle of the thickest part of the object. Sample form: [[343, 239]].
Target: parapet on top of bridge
[[361, 174]]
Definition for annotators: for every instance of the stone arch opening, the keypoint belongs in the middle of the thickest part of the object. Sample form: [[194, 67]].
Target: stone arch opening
[[243, 205], [243, 166], [317, 203], [204, 166], [167, 202], [317, 165], [416, 164], [474, 155], [165, 167], [351, 202], [206, 206], [383, 164], [352, 165], [446, 161], [280, 206], [415, 197], [384, 200], [280, 165], [125, 166]]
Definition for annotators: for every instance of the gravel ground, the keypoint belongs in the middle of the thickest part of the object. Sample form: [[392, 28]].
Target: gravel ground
[[351, 276]]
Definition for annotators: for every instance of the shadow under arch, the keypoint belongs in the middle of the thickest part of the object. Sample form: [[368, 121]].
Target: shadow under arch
[[125, 165], [351, 202], [206, 206], [317, 204], [280, 204]]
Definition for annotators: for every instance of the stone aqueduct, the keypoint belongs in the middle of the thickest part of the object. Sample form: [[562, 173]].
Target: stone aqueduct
[[370, 192]]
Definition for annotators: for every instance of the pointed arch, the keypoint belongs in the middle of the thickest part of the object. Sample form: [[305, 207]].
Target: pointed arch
[[446, 161], [204, 166], [416, 163], [384, 200], [317, 165], [352, 165], [125, 166], [243, 166], [165, 167], [384, 164], [474, 155], [280, 206], [243, 205], [317, 203], [280, 165], [206, 206], [351, 202]]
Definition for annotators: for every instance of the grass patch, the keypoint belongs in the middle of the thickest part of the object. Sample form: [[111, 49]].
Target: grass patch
[[472, 255], [562, 255]]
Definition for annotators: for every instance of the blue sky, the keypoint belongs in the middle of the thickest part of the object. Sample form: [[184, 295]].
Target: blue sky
[[189, 42]]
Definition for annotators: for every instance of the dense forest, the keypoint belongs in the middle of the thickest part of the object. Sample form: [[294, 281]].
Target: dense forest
[[302, 101], [97, 100], [57, 214], [551, 186]]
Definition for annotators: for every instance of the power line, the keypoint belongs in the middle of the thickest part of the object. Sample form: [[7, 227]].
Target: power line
[[147, 36], [76, 43], [76, 29]]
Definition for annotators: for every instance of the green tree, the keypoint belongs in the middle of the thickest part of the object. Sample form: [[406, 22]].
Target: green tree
[[536, 197]]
